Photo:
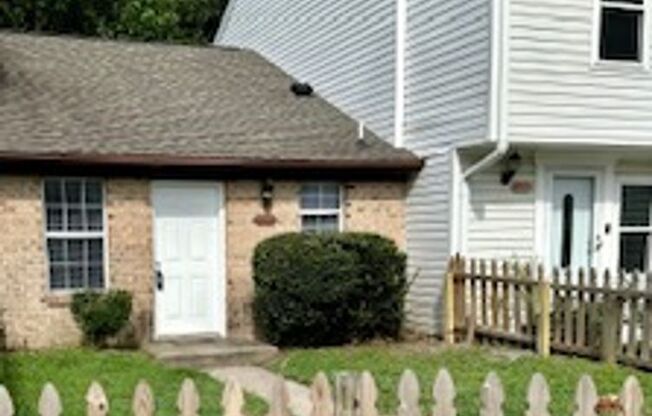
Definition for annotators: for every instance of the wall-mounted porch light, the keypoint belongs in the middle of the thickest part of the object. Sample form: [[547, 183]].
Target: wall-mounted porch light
[[511, 165], [267, 194]]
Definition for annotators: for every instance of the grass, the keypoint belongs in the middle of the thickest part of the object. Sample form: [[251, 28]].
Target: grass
[[468, 366], [72, 371]]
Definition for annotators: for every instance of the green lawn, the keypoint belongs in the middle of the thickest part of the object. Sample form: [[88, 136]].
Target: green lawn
[[72, 371], [468, 366]]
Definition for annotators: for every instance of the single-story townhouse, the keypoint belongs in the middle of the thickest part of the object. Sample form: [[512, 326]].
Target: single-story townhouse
[[158, 169]]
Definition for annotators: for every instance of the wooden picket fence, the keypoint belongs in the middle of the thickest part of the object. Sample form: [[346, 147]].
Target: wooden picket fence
[[3, 333], [356, 395], [586, 314]]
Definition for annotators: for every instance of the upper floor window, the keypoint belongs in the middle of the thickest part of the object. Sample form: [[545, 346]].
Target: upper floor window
[[622, 30], [320, 207], [74, 233]]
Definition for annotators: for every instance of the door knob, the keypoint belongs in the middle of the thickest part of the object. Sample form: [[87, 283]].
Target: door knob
[[159, 277], [598, 243]]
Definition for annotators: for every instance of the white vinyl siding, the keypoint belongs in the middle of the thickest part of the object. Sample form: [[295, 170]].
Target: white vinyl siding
[[447, 104], [501, 222], [427, 229], [447, 71], [557, 93], [345, 49]]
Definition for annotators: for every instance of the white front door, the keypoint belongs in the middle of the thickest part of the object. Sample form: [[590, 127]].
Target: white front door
[[188, 247], [572, 222]]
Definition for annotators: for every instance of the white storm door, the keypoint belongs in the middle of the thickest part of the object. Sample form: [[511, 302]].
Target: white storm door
[[572, 222], [188, 246]]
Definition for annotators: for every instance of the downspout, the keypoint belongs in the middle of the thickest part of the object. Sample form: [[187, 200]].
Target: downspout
[[502, 146], [399, 76], [498, 90]]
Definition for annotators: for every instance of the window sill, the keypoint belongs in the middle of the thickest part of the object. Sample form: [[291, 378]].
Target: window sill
[[619, 66]]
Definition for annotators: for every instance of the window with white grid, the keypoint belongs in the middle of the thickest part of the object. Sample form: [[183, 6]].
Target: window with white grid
[[74, 211], [321, 207]]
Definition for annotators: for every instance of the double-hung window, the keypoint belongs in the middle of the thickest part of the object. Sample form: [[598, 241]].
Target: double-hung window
[[622, 30], [320, 207], [636, 228], [74, 211]]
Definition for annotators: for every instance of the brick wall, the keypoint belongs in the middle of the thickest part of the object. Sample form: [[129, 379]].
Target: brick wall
[[377, 207], [35, 319], [22, 267], [369, 206], [131, 255]]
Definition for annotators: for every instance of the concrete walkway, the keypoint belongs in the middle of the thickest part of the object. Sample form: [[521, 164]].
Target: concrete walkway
[[260, 382]]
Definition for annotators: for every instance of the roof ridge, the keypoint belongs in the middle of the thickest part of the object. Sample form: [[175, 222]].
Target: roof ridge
[[55, 36]]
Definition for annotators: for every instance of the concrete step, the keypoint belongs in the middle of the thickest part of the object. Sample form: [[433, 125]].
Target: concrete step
[[210, 352]]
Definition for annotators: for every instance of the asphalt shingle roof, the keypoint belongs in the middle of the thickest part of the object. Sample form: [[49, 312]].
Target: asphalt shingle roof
[[63, 95]]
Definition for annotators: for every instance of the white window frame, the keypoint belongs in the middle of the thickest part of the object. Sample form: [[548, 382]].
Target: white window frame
[[71, 235], [644, 61], [620, 229], [304, 212]]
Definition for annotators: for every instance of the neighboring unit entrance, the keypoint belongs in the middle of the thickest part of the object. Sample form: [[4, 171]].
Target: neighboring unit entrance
[[572, 222], [189, 264]]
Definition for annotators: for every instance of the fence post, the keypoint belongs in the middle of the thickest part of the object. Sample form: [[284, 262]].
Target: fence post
[[321, 396], [232, 399], [449, 314], [460, 295], [188, 401], [367, 395], [543, 329], [6, 404], [609, 336], [49, 403], [96, 402], [143, 403], [346, 384]]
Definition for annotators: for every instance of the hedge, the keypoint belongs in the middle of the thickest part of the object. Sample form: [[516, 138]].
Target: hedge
[[328, 289]]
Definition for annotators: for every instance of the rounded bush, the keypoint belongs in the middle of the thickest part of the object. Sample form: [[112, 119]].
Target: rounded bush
[[328, 289], [101, 315]]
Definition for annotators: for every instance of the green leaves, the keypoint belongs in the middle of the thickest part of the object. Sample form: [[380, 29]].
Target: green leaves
[[328, 289], [187, 21], [101, 315]]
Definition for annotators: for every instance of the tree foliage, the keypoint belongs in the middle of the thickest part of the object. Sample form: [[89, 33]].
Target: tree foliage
[[187, 21]]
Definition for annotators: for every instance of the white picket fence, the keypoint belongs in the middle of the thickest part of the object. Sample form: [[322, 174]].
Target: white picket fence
[[358, 398]]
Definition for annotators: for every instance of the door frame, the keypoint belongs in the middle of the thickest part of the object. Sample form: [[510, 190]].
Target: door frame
[[221, 267], [546, 174]]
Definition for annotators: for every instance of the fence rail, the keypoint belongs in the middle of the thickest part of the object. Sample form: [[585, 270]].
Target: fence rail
[[588, 314], [356, 395]]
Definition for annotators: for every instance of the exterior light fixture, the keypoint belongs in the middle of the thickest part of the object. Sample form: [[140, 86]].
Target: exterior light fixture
[[267, 194], [511, 165]]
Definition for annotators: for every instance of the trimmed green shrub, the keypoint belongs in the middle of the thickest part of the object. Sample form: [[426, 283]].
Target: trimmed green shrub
[[328, 289], [101, 315]]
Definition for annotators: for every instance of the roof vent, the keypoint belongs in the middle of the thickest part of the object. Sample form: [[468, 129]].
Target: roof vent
[[301, 89]]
